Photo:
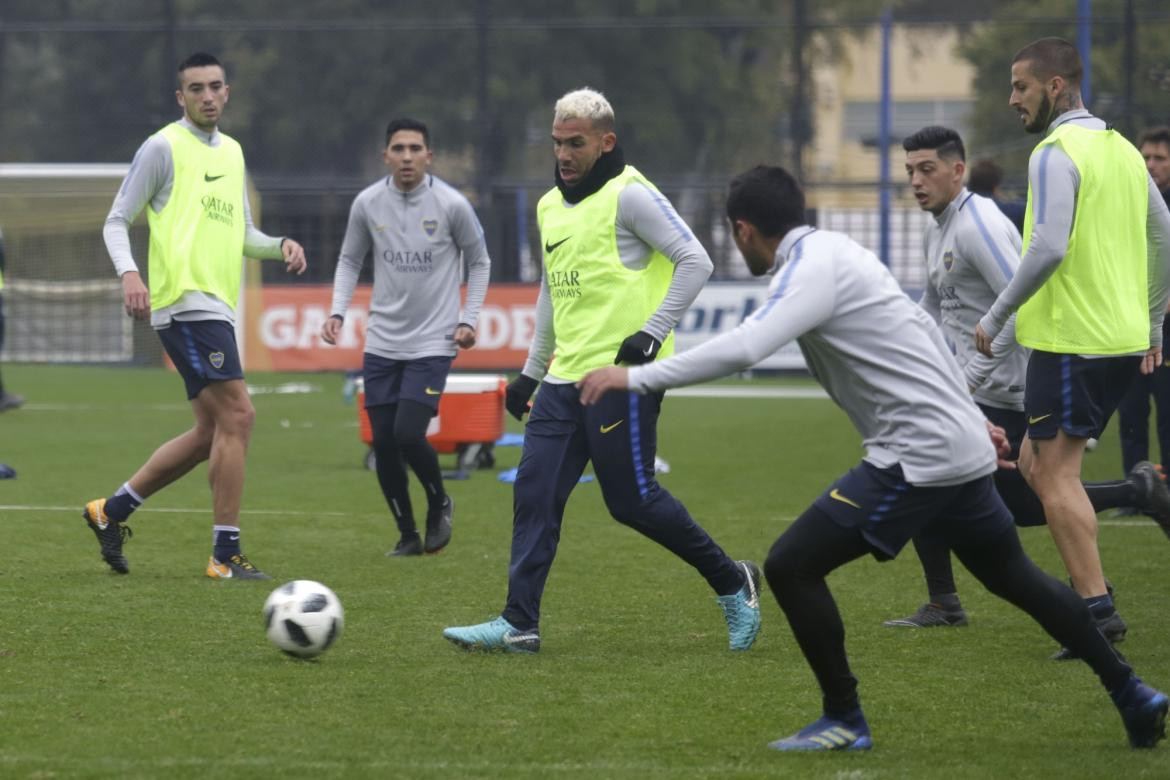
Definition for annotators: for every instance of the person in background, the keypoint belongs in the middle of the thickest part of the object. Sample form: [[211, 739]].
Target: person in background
[[420, 231]]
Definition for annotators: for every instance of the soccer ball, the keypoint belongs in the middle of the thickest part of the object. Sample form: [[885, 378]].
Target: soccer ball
[[303, 618]]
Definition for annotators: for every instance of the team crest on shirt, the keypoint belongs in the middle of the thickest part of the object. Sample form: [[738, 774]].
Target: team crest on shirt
[[430, 226], [948, 260], [216, 359]]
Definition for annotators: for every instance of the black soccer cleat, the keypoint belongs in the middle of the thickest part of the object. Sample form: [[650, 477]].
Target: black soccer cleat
[[236, 567], [1152, 495], [111, 534], [439, 527], [930, 615], [405, 547]]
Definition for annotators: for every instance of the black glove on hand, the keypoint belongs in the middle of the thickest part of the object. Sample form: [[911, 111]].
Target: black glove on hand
[[517, 393], [638, 349]]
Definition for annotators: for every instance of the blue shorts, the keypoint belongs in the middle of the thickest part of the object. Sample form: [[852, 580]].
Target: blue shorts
[[1074, 394], [889, 511], [389, 381], [203, 351]]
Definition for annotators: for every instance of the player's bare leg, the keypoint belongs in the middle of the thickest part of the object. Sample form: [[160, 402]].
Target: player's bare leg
[[1053, 469], [178, 456]]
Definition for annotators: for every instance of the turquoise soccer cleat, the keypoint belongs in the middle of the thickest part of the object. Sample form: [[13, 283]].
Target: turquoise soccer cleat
[[742, 609], [497, 635]]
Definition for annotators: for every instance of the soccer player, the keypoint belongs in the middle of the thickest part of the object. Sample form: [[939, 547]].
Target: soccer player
[[928, 462], [972, 251], [620, 269], [7, 400], [420, 231], [191, 179], [1090, 293]]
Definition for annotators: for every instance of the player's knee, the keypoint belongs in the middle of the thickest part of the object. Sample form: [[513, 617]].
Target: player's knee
[[781, 567], [409, 438], [242, 417]]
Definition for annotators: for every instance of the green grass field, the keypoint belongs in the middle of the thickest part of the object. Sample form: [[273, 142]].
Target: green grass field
[[165, 673]]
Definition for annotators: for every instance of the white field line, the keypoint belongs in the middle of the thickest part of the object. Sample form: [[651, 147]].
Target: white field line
[[175, 510], [302, 512], [748, 392]]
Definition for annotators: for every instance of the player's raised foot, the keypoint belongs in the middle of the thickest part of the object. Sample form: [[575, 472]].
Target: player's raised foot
[[742, 609], [439, 527], [237, 567], [1143, 711], [930, 615], [111, 534], [406, 546], [1152, 495], [494, 636], [1114, 628], [828, 734]]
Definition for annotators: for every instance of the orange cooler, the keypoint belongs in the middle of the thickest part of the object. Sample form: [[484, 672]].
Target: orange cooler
[[471, 411]]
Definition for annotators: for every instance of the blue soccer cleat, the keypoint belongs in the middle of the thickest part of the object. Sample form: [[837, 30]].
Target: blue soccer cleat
[[497, 636], [828, 734], [1143, 710], [742, 609]]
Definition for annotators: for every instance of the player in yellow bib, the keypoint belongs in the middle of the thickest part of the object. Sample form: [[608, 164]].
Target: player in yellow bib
[[1091, 292], [620, 269], [191, 178]]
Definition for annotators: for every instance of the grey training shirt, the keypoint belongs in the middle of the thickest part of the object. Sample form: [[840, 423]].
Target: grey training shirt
[[877, 353], [149, 181], [646, 222], [1052, 172], [419, 240], [972, 252]]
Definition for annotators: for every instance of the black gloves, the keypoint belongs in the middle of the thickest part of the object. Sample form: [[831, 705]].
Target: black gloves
[[517, 393], [638, 349]]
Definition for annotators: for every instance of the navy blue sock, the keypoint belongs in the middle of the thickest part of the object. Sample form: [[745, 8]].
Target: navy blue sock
[[124, 501], [227, 542], [1100, 606]]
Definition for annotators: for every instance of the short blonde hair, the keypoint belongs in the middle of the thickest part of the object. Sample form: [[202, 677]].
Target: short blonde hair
[[585, 103]]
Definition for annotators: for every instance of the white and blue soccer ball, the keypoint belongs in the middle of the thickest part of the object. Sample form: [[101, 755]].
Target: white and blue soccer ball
[[303, 618]]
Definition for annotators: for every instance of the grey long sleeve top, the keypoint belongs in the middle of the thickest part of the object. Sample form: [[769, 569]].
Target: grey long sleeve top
[[419, 241], [877, 353], [972, 252]]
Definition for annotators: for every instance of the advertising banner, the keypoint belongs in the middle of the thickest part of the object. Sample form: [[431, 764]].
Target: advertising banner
[[283, 330]]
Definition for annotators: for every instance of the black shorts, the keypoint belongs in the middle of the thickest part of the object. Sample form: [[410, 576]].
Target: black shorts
[[1014, 424], [388, 381], [889, 511], [1075, 394], [203, 351]]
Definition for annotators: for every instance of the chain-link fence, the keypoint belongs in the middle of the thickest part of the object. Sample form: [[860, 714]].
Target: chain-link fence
[[701, 90]]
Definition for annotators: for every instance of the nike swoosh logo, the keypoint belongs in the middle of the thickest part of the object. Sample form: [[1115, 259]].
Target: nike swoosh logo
[[835, 494], [1034, 420], [209, 177], [548, 248], [235, 538], [608, 428], [429, 391]]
